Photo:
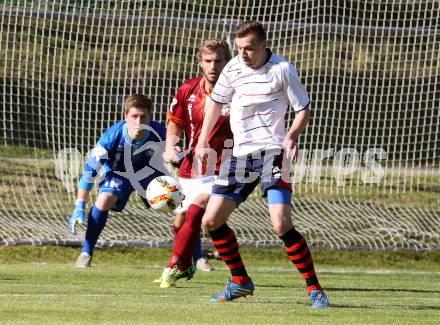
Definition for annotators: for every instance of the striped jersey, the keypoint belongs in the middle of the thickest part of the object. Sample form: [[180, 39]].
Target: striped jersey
[[188, 109], [259, 100]]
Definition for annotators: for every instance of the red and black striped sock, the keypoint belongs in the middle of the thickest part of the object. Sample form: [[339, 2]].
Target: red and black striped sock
[[299, 254], [225, 242]]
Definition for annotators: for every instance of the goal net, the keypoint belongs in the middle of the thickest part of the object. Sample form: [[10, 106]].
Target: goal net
[[368, 173]]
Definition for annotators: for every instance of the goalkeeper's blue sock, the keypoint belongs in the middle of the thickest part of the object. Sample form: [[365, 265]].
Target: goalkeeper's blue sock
[[197, 250], [95, 224]]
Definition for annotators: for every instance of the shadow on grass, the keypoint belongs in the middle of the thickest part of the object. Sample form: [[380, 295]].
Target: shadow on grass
[[383, 290], [257, 285], [386, 306]]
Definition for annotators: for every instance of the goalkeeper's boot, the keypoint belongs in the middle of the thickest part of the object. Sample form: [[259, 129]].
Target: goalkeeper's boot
[[234, 290], [83, 260], [203, 265], [319, 299]]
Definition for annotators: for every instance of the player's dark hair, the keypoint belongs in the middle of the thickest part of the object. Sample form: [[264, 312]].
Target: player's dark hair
[[139, 101], [212, 45], [250, 27]]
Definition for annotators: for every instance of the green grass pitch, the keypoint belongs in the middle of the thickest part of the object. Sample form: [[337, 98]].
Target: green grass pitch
[[39, 285]]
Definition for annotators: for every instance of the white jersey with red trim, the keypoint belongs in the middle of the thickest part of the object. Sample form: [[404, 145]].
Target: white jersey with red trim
[[259, 99]]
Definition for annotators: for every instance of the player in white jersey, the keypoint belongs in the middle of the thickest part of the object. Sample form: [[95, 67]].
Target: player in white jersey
[[260, 86], [259, 100]]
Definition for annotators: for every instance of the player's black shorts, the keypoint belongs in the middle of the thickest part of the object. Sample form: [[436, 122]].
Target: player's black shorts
[[240, 175]]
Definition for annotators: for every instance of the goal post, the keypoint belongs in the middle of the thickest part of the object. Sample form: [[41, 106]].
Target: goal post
[[368, 172]]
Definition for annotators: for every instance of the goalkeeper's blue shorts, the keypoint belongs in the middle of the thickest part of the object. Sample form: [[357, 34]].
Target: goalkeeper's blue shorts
[[122, 188]]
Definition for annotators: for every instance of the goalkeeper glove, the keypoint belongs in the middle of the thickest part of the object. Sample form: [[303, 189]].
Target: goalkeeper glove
[[78, 216]]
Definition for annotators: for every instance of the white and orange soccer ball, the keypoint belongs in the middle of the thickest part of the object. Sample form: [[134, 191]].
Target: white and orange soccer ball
[[164, 193]]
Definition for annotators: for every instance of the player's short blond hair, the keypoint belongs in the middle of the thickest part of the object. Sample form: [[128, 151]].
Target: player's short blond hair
[[213, 44], [138, 101], [250, 27]]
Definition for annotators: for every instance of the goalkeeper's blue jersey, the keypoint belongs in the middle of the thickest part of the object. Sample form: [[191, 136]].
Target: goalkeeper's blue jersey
[[117, 152]]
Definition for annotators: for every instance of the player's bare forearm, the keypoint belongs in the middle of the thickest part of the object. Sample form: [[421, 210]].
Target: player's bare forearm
[[83, 194], [299, 124], [212, 114], [174, 132]]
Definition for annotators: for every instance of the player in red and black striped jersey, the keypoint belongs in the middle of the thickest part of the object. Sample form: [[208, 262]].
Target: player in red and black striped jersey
[[186, 115]]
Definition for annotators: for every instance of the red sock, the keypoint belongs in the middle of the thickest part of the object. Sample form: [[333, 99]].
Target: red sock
[[186, 238], [176, 229], [174, 260], [225, 242], [299, 254]]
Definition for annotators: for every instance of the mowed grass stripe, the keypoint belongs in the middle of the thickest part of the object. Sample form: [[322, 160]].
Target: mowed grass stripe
[[111, 293]]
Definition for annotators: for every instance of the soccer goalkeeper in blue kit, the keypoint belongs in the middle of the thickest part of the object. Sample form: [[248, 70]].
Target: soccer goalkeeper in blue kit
[[130, 154]]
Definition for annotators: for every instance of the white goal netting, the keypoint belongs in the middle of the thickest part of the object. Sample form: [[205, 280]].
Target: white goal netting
[[369, 171]]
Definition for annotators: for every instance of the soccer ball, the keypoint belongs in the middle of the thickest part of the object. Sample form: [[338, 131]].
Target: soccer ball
[[164, 194]]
